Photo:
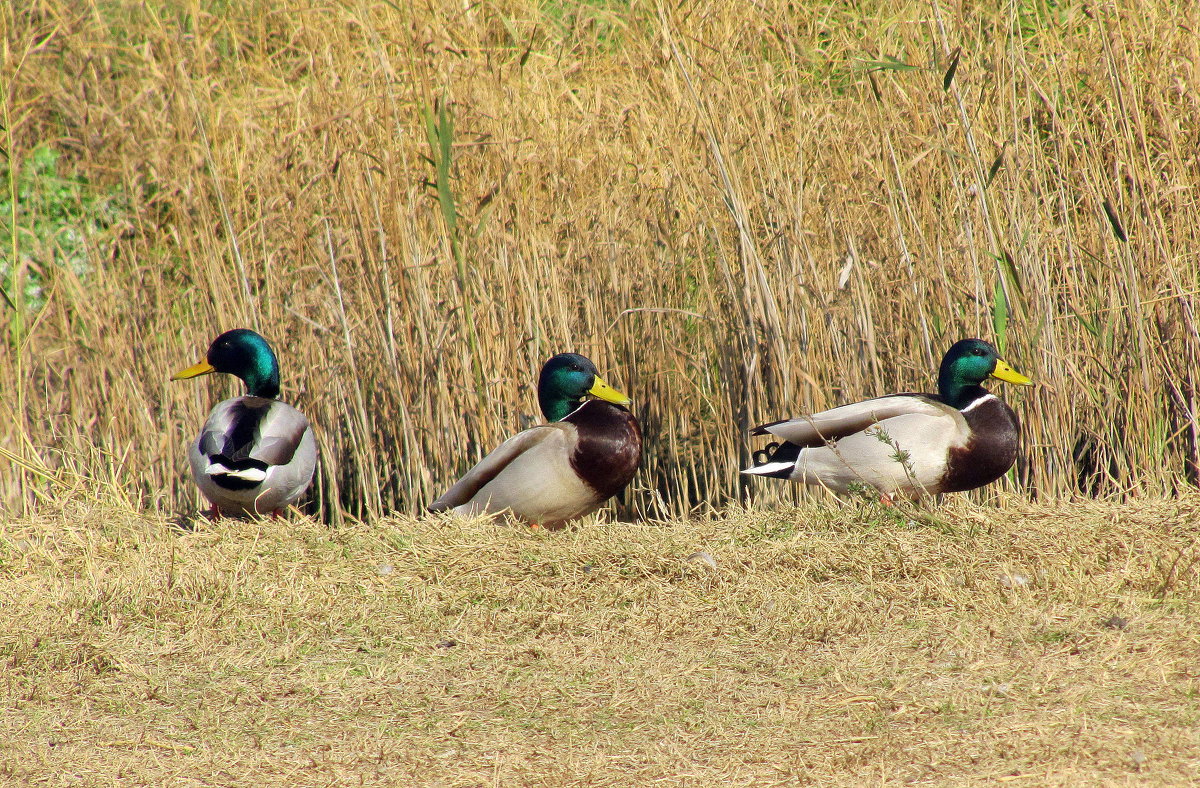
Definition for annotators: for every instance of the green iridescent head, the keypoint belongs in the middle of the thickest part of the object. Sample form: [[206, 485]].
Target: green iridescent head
[[967, 364], [565, 380], [243, 354]]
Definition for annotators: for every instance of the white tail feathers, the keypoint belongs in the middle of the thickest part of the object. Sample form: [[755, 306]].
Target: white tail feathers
[[768, 468], [249, 474]]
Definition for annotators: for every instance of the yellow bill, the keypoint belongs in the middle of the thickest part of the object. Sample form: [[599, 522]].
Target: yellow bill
[[608, 393], [1009, 375], [195, 370]]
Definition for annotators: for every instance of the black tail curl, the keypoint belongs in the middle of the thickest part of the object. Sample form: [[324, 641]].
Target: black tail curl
[[778, 452], [764, 455]]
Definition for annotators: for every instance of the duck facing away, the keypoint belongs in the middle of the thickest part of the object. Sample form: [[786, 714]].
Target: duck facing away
[[557, 472], [959, 439], [254, 454]]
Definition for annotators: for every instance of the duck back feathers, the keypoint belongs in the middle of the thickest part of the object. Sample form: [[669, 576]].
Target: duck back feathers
[[253, 455]]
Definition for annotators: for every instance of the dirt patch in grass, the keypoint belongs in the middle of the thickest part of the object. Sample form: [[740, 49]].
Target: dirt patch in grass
[[1043, 644]]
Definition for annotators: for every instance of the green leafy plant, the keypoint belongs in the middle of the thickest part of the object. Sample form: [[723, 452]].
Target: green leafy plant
[[48, 220]]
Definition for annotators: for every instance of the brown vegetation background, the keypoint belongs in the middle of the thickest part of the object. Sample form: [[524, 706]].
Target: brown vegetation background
[[740, 211]]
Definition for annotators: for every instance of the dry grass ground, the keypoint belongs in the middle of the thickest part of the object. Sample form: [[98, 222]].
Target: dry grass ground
[[1053, 645]]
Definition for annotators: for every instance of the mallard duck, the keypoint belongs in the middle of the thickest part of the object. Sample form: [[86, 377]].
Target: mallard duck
[[961, 438], [255, 454], [563, 470]]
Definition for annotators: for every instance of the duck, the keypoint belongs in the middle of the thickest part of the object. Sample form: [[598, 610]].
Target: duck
[[557, 472], [255, 454], [905, 445]]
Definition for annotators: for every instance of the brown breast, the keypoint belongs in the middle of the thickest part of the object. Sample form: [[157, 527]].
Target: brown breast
[[609, 447], [991, 451]]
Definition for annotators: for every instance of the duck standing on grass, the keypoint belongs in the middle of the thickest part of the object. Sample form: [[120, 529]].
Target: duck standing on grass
[[961, 438], [255, 454], [557, 472]]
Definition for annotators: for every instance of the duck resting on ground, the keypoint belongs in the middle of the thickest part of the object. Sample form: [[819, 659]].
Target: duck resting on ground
[[906, 445], [557, 472], [254, 454]]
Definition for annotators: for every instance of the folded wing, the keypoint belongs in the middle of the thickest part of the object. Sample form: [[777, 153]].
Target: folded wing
[[499, 460], [841, 422]]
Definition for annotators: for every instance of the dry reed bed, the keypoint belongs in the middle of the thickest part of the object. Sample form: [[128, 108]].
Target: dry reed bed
[[728, 205], [1055, 645]]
